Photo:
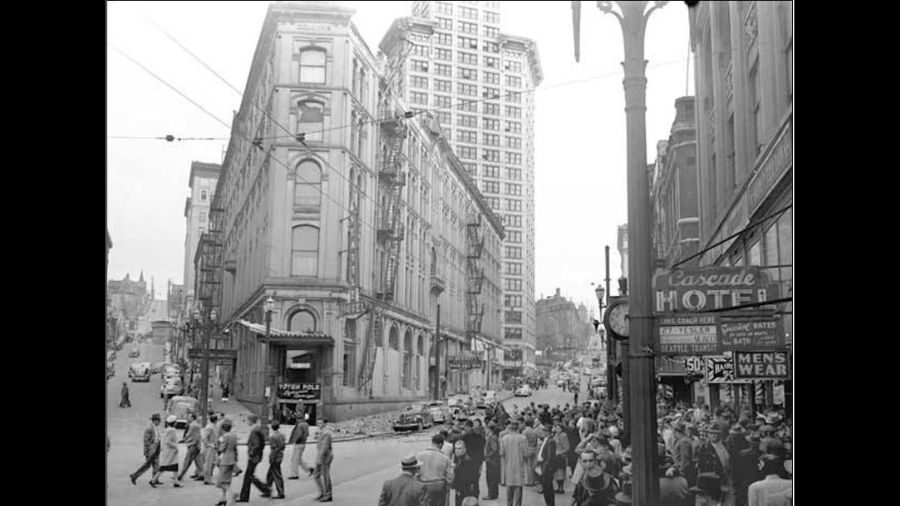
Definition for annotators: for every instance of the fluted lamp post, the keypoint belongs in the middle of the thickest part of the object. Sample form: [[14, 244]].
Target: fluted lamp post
[[268, 307], [633, 18]]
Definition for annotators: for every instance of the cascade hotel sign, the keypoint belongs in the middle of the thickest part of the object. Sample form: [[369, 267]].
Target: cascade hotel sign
[[715, 288]]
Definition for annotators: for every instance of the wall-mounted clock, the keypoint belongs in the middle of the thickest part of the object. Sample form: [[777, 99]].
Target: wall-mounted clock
[[616, 319]]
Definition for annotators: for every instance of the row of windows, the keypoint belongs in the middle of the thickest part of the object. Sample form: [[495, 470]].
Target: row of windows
[[514, 285]]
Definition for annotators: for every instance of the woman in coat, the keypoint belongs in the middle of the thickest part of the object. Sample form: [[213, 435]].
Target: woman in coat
[[562, 454], [168, 456], [465, 473]]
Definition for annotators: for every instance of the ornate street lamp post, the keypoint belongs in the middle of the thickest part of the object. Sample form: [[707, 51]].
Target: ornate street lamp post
[[268, 307]]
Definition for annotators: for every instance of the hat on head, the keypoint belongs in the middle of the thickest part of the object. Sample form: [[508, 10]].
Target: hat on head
[[666, 462], [713, 429], [410, 462], [171, 419], [154, 416]]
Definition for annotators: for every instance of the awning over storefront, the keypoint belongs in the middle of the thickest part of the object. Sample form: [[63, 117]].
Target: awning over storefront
[[287, 337]]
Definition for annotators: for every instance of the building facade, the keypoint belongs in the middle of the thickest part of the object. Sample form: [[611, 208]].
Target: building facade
[[202, 182], [478, 82], [357, 221], [129, 299], [744, 109], [563, 330]]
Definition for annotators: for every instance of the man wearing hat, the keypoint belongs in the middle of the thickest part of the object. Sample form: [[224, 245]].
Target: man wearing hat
[[405, 490], [708, 491], [746, 470], [595, 487], [513, 474], [673, 488], [168, 456], [151, 450]]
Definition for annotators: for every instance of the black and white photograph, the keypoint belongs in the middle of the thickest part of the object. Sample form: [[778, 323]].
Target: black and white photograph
[[449, 253]]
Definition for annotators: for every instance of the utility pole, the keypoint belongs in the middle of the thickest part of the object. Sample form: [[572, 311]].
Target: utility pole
[[204, 388], [437, 356], [612, 384]]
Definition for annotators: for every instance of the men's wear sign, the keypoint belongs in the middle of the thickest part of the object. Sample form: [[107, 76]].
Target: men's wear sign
[[761, 365], [710, 288]]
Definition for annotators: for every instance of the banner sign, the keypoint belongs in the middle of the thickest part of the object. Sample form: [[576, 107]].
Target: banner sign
[[714, 334], [761, 365], [464, 362], [709, 288], [720, 369], [214, 354], [300, 391]]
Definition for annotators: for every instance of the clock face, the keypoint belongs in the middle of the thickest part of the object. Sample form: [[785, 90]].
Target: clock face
[[618, 321]]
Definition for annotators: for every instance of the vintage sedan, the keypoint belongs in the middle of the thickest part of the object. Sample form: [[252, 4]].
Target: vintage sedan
[[413, 421], [523, 391], [181, 406], [439, 412]]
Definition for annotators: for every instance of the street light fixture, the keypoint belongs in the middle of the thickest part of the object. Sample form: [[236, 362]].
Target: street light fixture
[[268, 307]]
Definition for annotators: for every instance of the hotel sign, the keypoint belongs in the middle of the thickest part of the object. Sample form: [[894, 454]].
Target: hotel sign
[[352, 308], [711, 288]]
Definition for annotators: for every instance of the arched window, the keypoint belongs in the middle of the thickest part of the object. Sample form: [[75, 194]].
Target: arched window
[[302, 321], [308, 184], [310, 119], [394, 338], [305, 253], [312, 65], [379, 335], [407, 359], [354, 133], [420, 346]]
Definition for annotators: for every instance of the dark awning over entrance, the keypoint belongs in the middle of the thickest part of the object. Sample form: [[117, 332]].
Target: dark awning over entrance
[[278, 336]]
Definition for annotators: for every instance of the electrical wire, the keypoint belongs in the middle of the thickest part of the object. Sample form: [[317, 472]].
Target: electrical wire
[[169, 138]]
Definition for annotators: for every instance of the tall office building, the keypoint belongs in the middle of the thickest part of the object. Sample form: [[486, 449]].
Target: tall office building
[[478, 82], [202, 182]]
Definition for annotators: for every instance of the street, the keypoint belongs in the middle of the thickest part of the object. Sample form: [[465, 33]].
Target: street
[[358, 471]]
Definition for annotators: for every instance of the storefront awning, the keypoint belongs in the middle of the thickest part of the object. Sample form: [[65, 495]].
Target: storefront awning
[[285, 336]]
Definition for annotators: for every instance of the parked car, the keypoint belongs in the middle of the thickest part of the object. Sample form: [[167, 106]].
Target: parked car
[[490, 397], [523, 391], [134, 353], [171, 386], [181, 406], [139, 371], [439, 413], [413, 420]]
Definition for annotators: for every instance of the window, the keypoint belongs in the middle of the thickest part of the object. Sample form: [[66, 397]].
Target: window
[[513, 220], [443, 54], [492, 108], [493, 202], [468, 13], [444, 39], [312, 65], [491, 47], [513, 81], [443, 70], [514, 97], [468, 153], [443, 102], [491, 171], [491, 124], [513, 158], [468, 136], [513, 252], [311, 119], [471, 28], [513, 66], [491, 17], [444, 8], [490, 186], [491, 155], [302, 321], [465, 73], [514, 174], [467, 58], [468, 105], [513, 127], [513, 205], [512, 333], [418, 82], [470, 168], [492, 93], [416, 97], [203, 195], [203, 216], [305, 254], [349, 379], [513, 317], [445, 24], [514, 268], [514, 142], [306, 185], [466, 42], [513, 112], [420, 50], [418, 65], [465, 120], [491, 78], [512, 300], [491, 31], [491, 140], [442, 86], [514, 189], [514, 236], [469, 90]]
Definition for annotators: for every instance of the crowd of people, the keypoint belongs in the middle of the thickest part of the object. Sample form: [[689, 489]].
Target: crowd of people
[[213, 451], [716, 458]]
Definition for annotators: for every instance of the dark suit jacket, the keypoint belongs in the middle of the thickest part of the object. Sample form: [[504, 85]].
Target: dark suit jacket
[[404, 490], [150, 446], [255, 444]]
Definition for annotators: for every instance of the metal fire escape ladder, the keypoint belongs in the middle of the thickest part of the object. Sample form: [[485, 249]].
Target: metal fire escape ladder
[[210, 289], [474, 275]]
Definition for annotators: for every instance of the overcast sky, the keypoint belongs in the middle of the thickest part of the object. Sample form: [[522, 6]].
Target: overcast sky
[[580, 127]]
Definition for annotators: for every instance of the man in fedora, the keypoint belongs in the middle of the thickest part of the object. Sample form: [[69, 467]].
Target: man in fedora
[[708, 491], [151, 449], [405, 490], [746, 469], [595, 487], [673, 488]]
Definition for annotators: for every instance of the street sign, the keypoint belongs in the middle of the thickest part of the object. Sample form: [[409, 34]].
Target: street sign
[[463, 362], [214, 354], [714, 334], [352, 308], [710, 288], [300, 391], [761, 365]]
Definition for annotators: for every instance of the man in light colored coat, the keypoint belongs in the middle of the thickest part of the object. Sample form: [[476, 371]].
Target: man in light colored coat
[[513, 474], [436, 472], [299, 435], [209, 438]]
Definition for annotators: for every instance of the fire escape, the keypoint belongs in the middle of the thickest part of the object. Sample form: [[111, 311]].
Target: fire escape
[[474, 276], [210, 269]]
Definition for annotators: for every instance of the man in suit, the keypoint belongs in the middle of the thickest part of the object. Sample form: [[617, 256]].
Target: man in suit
[[475, 443], [276, 454], [436, 471], [405, 490], [683, 454], [151, 449], [255, 445], [323, 462], [492, 462], [192, 441], [746, 468], [513, 474], [209, 437], [299, 434], [227, 456]]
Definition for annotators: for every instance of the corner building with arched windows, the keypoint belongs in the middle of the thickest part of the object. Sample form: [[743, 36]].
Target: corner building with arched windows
[[355, 251]]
